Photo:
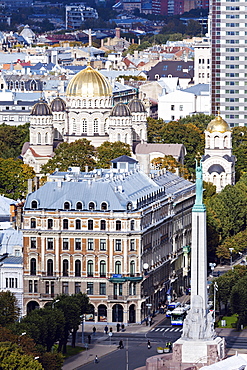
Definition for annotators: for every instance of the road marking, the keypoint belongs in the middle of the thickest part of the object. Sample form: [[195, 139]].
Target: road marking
[[172, 329], [152, 329], [167, 329], [157, 329], [177, 329], [162, 329]]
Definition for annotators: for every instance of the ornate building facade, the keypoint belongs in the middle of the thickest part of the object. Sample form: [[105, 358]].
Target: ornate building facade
[[88, 112], [118, 235], [218, 161]]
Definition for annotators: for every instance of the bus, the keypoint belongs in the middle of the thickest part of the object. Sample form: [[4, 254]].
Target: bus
[[178, 315], [171, 306]]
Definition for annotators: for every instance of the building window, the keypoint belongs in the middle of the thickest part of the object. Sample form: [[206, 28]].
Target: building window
[[78, 224], [132, 225], [132, 244], [49, 267], [47, 287], [102, 245], [52, 288], [90, 244], [102, 288], [50, 223], [118, 225], [104, 206], [132, 289], [30, 286], [102, 269], [34, 204], [77, 268], [65, 267], [91, 206], [84, 125], [77, 288], [33, 266], [132, 268], [102, 225], [65, 243], [33, 223], [90, 268], [78, 244], [65, 224], [90, 288], [66, 205], [33, 243], [35, 286], [79, 205], [95, 126], [65, 288], [117, 267], [90, 224], [181, 107], [118, 244], [49, 243], [172, 107]]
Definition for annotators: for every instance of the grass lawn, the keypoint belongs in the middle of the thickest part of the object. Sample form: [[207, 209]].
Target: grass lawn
[[231, 321], [73, 351]]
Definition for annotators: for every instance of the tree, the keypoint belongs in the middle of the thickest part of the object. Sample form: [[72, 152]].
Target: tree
[[171, 164], [12, 139], [154, 129], [44, 326], [209, 190], [13, 358], [238, 300], [14, 176], [108, 151], [9, 309], [80, 153]]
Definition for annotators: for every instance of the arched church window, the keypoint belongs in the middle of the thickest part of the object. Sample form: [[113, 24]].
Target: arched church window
[[84, 126], [216, 142], [74, 125], [214, 180], [39, 138], [90, 103], [96, 126], [118, 137], [46, 138], [126, 138], [225, 142]]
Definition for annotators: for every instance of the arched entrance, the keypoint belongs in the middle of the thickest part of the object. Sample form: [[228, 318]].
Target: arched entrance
[[132, 313], [102, 312], [32, 305], [89, 315], [117, 313]]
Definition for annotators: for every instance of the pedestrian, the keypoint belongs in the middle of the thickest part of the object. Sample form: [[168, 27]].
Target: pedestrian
[[110, 330], [106, 329], [96, 361], [89, 339], [94, 330], [149, 344], [118, 327], [120, 345], [150, 320], [122, 326]]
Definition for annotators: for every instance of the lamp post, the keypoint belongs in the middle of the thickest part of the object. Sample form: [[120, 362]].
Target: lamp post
[[212, 265], [82, 329], [231, 250], [53, 303], [215, 290]]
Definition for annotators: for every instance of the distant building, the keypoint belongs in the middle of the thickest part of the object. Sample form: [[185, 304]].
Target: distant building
[[202, 60], [77, 14]]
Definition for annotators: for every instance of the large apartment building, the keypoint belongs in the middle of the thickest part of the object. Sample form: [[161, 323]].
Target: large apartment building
[[229, 61], [118, 235]]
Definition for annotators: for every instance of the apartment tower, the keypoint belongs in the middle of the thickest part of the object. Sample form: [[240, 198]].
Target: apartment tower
[[228, 28]]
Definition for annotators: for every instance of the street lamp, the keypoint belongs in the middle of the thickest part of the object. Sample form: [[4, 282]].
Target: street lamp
[[212, 265], [231, 250], [57, 300], [215, 290], [82, 329]]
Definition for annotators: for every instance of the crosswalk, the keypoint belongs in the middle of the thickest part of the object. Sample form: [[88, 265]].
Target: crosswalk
[[161, 329]]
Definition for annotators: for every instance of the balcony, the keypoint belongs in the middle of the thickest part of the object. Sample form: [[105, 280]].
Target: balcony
[[118, 298], [47, 296]]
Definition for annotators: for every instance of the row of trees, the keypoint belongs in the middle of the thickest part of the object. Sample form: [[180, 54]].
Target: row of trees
[[36, 334]]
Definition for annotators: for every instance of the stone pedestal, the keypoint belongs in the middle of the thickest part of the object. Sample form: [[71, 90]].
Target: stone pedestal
[[194, 352]]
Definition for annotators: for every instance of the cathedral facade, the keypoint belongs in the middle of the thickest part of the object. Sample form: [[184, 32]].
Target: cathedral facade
[[218, 161], [87, 112]]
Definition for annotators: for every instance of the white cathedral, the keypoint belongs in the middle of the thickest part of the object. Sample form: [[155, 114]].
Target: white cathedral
[[87, 112], [218, 163]]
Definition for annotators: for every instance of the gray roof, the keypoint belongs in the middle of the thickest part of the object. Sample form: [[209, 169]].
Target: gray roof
[[117, 189], [12, 260], [175, 150], [4, 206], [124, 158], [10, 238], [199, 89]]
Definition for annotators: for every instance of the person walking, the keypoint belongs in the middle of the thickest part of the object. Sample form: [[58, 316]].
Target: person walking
[[120, 345], [96, 361], [106, 329], [149, 344], [94, 330], [118, 327], [122, 327]]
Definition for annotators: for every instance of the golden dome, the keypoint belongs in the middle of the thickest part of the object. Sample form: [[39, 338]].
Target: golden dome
[[89, 83], [218, 125]]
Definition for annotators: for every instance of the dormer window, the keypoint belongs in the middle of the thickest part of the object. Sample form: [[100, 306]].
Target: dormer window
[[104, 206], [34, 204], [91, 206], [129, 206], [66, 205], [79, 206]]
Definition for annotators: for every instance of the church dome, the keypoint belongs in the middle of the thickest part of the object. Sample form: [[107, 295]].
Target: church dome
[[120, 110], [89, 83], [58, 105], [218, 125], [216, 168], [136, 106], [41, 109]]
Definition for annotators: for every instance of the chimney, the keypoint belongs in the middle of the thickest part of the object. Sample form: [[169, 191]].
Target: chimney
[[89, 37], [118, 32]]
